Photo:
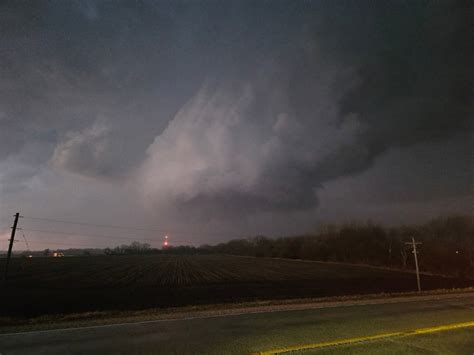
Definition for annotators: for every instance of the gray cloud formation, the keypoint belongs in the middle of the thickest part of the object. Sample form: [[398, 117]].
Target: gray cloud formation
[[243, 145], [325, 112], [86, 152], [227, 108]]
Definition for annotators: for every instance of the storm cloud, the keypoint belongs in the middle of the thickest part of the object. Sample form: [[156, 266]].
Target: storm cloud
[[272, 140], [231, 110], [244, 146]]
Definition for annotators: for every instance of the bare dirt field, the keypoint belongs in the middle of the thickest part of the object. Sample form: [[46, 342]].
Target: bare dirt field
[[39, 286]]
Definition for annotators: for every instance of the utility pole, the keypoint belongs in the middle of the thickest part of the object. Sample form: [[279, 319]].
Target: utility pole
[[10, 247], [414, 251]]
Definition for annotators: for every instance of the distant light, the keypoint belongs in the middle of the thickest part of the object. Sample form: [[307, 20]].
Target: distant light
[[457, 251]]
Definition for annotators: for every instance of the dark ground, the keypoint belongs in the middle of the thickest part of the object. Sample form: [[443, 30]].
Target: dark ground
[[41, 286]]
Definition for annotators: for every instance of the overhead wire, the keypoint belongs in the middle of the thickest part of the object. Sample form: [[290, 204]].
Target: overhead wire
[[93, 235], [137, 238], [152, 229], [69, 244], [26, 241], [88, 246]]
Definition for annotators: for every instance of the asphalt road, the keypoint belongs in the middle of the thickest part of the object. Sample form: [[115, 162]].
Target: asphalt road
[[425, 327]]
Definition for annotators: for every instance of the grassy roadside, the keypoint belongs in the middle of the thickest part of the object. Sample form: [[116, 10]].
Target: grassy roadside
[[87, 319]]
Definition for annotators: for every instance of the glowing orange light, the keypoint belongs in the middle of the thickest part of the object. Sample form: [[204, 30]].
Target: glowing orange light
[[165, 242]]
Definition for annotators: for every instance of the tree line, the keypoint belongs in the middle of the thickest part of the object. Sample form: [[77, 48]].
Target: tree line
[[448, 245]]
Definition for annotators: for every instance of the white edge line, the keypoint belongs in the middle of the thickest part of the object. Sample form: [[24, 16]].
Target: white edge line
[[309, 307]]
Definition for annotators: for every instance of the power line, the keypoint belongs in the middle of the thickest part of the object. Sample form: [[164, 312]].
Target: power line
[[99, 235], [152, 229], [68, 244], [92, 224], [26, 241]]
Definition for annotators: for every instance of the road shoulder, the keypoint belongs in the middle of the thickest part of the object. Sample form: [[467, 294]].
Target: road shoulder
[[111, 319]]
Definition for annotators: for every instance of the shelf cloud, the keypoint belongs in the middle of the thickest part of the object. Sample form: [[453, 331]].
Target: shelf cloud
[[235, 110]]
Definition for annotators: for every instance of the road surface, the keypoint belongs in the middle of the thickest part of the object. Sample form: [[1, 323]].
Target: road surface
[[429, 326]]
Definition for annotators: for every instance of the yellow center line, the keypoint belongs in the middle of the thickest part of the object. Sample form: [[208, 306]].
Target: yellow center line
[[368, 338]]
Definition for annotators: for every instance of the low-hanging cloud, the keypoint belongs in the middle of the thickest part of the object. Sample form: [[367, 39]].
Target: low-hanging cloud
[[295, 97], [87, 152], [243, 145], [269, 141]]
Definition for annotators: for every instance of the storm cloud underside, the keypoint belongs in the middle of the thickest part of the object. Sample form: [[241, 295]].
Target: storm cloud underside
[[225, 111]]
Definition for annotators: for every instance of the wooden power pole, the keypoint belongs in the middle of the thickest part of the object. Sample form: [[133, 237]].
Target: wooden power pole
[[413, 244], [10, 247]]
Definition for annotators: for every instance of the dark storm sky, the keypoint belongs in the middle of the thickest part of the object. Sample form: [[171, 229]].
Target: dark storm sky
[[223, 118]]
